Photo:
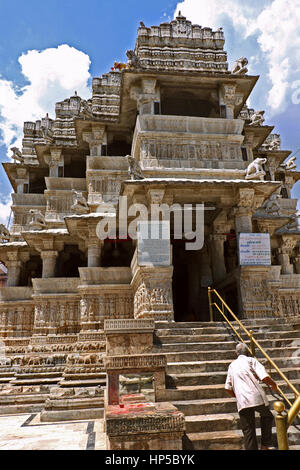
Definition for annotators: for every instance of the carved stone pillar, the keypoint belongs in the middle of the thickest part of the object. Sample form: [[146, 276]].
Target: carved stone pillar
[[13, 265], [284, 253], [96, 138], [55, 161], [49, 263], [146, 95], [217, 253], [297, 264], [94, 253], [244, 211], [153, 293]]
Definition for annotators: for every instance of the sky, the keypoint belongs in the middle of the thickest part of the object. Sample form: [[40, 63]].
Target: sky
[[50, 49]]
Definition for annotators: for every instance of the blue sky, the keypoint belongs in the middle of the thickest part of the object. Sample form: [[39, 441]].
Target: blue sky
[[50, 49]]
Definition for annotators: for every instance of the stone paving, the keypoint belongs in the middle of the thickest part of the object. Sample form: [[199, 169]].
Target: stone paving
[[26, 432]]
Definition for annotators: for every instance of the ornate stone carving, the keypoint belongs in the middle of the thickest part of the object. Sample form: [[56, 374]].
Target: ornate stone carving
[[17, 155], [143, 361], [271, 206], [255, 169], [4, 233], [37, 220], [80, 205], [133, 60], [134, 169], [290, 164], [257, 119], [239, 67], [179, 151]]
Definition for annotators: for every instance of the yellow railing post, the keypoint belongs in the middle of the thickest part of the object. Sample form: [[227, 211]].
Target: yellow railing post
[[281, 426], [294, 410], [211, 316], [252, 344]]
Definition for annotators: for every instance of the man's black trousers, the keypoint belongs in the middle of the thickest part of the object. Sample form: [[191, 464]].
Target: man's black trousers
[[247, 417]]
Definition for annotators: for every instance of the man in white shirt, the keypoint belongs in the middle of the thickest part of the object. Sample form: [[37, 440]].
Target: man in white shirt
[[244, 375]]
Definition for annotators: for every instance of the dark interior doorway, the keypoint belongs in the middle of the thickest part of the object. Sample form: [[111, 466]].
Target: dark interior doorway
[[190, 297]]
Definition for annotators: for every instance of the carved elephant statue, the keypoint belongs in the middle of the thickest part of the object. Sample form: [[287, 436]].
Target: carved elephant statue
[[71, 359], [16, 360], [35, 361], [91, 359], [5, 361], [50, 361]]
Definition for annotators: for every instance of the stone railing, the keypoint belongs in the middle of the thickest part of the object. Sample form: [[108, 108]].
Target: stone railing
[[66, 184], [188, 142], [56, 285], [100, 276]]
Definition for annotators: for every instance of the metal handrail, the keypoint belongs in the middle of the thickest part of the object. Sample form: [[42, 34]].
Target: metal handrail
[[282, 422]]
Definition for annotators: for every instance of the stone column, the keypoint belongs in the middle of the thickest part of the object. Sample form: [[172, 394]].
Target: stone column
[[94, 254], [96, 138], [284, 253], [297, 264], [217, 252], [54, 161], [145, 95], [49, 262], [13, 265], [244, 210]]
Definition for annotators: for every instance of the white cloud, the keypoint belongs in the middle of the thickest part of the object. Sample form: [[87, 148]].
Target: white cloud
[[5, 208], [269, 32], [53, 75]]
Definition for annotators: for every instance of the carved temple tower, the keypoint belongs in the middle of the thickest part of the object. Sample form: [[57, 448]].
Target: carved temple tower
[[181, 113]]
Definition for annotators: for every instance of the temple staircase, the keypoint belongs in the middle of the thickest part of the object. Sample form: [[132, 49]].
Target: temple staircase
[[198, 356]]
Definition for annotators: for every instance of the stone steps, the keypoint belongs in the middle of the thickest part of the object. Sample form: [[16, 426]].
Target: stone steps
[[83, 382], [229, 345], [226, 422], [203, 378], [37, 381], [213, 405], [218, 440], [194, 338], [198, 392], [187, 356], [230, 439], [198, 357], [222, 365]]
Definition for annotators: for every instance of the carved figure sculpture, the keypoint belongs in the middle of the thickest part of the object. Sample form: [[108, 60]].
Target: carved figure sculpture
[[239, 67], [79, 203], [86, 108], [290, 164], [293, 225], [257, 119], [17, 155], [272, 143], [134, 169], [37, 219], [133, 60], [255, 169], [4, 233], [271, 206]]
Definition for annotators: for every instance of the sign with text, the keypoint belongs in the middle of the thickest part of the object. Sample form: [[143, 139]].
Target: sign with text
[[154, 243], [254, 249]]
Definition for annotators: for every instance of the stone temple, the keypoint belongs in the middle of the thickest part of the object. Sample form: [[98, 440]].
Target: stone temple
[[86, 330]]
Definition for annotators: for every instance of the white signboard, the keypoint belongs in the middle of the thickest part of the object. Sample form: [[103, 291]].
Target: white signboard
[[254, 249], [154, 243]]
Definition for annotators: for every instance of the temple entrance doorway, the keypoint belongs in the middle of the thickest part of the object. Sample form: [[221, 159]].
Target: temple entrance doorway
[[191, 277]]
